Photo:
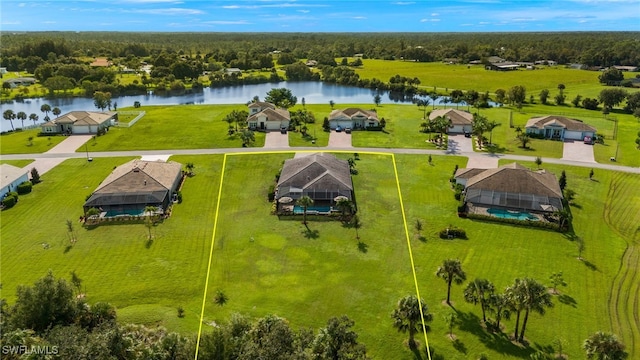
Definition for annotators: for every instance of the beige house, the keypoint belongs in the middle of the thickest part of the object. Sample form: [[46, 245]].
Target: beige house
[[135, 185], [354, 118], [560, 127], [265, 116], [80, 122], [460, 121]]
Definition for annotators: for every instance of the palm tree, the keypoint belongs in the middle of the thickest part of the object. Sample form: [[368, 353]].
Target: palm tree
[[9, 115], [479, 291], [345, 206], [423, 103], [33, 117], [45, 108], [537, 299], [190, 167], [355, 222], [516, 297], [56, 111], [564, 217], [434, 96], [409, 314], [524, 139], [480, 125], [440, 124], [149, 212], [500, 306], [451, 271], [604, 346], [490, 126], [305, 202], [332, 104], [22, 116]]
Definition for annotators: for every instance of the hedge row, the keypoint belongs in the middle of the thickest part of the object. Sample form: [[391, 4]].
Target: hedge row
[[539, 224], [10, 200]]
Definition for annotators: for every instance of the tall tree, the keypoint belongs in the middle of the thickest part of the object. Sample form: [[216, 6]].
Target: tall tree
[[45, 108], [612, 97], [434, 96], [237, 116], [480, 125], [102, 100], [423, 103], [409, 315], [500, 306], [9, 115], [338, 341], [33, 117], [22, 116], [281, 97], [537, 299], [490, 126], [356, 224], [149, 216], [604, 346], [305, 202], [517, 298], [451, 272], [56, 111], [478, 292], [544, 96], [345, 206], [377, 99], [441, 125]]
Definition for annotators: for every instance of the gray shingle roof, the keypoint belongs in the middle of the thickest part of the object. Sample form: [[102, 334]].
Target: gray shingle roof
[[81, 118], [515, 178], [130, 177], [567, 123], [353, 112], [318, 171], [272, 115], [458, 117]]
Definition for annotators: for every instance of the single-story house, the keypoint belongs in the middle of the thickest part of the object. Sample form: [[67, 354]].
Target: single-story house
[[511, 187], [80, 122], [135, 185], [265, 116], [20, 81], [320, 176], [354, 118], [460, 121], [626, 68], [231, 71], [502, 66], [560, 127], [12, 176]]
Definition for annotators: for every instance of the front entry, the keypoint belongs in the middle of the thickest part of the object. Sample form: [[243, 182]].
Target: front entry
[[261, 126]]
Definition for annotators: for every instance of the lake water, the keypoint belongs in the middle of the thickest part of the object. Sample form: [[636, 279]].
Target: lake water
[[312, 92]]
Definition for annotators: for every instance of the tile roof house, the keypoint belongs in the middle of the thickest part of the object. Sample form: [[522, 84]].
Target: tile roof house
[[80, 122], [265, 116], [461, 121], [354, 118], [10, 177], [320, 176], [559, 127], [134, 185], [512, 187]]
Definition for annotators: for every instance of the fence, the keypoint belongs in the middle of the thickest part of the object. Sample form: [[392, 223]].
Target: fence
[[139, 114]]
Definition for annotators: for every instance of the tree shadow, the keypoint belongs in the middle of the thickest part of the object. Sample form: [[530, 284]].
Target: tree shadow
[[495, 149], [311, 234], [148, 243], [67, 248], [498, 341], [460, 346], [590, 265], [567, 300], [576, 205], [422, 238], [362, 247]]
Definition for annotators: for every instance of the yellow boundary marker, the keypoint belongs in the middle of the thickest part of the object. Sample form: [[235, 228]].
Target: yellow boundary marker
[[404, 220]]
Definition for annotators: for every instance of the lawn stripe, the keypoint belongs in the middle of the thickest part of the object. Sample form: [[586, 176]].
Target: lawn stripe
[[413, 268], [213, 237]]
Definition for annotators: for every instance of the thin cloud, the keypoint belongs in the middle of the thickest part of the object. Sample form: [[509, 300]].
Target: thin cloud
[[282, 5], [151, 2], [359, 18], [170, 11], [403, 3], [304, 11]]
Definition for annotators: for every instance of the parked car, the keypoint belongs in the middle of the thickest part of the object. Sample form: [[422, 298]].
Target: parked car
[[283, 130], [467, 134], [588, 140], [338, 129], [347, 130]]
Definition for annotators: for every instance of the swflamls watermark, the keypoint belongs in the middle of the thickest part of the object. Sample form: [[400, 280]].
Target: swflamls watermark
[[29, 350]]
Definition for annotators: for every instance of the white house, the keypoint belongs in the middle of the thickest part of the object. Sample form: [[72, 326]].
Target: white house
[[354, 118], [265, 116], [11, 177], [560, 127], [460, 121], [80, 122]]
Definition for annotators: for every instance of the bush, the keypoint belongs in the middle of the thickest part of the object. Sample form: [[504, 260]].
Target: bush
[[25, 188], [271, 193], [452, 232], [374, 128], [10, 200], [179, 197], [35, 176]]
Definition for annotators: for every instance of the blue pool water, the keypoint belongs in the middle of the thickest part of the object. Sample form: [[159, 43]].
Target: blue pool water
[[505, 214], [297, 209], [111, 213]]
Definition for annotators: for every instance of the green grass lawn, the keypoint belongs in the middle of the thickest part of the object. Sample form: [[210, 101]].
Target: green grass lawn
[[176, 127], [308, 277], [18, 142], [18, 163]]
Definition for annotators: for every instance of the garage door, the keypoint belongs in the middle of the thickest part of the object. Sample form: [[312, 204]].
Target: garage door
[[342, 123], [573, 135]]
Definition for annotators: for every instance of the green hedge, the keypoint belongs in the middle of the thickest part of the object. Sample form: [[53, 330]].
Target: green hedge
[[10, 200], [539, 224], [25, 187], [452, 232]]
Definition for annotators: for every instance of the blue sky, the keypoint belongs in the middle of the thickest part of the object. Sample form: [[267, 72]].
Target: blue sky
[[321, 16]]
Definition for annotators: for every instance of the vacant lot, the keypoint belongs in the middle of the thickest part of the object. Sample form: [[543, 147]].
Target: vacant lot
[[27, 142]]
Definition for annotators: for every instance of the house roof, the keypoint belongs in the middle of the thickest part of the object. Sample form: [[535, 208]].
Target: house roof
[[9, 174], [319, 171], [468, 173], [81, 118], [131, 176], [261, 105], [515, 178], [560, 121], [353, 112], [272, 115], [457, 117]]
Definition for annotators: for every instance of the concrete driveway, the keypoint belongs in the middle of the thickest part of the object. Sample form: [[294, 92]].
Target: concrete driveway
[[458, 143], [339, 140], [275, 140], [577, 151]]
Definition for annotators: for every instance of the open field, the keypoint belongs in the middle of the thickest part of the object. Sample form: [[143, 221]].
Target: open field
[[310, 276], [17, 142], [18, 163], [467, 77]]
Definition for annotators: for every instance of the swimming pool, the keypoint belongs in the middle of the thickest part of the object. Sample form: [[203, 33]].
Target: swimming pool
[[130, 212], [297, 209], [507, 214]]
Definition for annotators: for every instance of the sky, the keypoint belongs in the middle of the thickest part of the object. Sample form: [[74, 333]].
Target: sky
[[321, 16]]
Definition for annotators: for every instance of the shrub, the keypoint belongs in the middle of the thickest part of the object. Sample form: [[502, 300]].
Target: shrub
[[271, 192], [35, 176], [180, 312], [452, 232], [25, 188], [10, 200], [179, 197]]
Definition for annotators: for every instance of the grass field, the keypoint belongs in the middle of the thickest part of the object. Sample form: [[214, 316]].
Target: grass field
[[308, 276], [18, 142], [18, 163]]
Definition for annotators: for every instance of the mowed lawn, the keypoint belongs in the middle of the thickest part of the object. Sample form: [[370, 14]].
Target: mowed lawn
[[267, 265], [176, 127], [146, 282], [17, 142]]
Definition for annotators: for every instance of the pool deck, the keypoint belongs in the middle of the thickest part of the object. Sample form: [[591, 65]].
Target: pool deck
[[485, 211]]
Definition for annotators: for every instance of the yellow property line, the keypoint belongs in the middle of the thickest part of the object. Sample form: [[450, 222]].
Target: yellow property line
[[213, 239], [404, 220]]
